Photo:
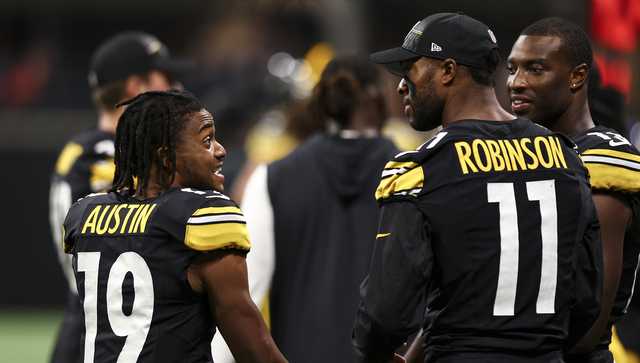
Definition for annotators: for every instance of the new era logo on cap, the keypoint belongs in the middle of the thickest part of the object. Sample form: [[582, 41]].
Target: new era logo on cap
[[435, 47]]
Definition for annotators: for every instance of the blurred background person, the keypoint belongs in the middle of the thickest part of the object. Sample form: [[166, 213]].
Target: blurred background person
[[121, 68], [308, 213]]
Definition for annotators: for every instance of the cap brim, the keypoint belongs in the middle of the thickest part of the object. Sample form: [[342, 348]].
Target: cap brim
[[175, 68], [395, 59]]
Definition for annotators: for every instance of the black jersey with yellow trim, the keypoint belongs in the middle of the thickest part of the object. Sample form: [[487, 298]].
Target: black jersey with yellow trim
[[140, 250], [614, 167], [475, 148], [493, 195], [86, 163]]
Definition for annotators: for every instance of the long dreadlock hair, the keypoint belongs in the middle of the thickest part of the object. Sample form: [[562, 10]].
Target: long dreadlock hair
[[151, 124]]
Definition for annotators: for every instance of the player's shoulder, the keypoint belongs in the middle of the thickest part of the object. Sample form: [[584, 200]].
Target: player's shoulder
[[612, 160], [208, 219], [88, 143], [188, 200], [78, 210], [403, 176], [600, 138]]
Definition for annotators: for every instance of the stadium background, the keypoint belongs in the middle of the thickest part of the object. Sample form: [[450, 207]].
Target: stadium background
[[253, 56]]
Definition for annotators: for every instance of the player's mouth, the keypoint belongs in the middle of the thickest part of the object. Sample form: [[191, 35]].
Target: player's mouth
[[520, 104], [218, 177]]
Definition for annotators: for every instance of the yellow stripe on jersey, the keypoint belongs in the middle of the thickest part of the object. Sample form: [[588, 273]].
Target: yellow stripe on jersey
[[68, 157], [102, 174], [216, 210], [609, 177], [613, 153], [400, 164], [265, 310], [207, 237], [409, 182]]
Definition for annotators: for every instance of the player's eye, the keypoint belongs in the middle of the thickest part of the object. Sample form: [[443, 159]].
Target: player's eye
[[536, 69], [511, 69], [207, 141]]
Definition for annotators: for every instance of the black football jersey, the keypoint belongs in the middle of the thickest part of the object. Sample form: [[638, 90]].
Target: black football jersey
[[489, 231], [614, 166], [85, 165], [130, 260]]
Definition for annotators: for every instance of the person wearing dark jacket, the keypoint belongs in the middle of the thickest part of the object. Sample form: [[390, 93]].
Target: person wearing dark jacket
[[312, 217]]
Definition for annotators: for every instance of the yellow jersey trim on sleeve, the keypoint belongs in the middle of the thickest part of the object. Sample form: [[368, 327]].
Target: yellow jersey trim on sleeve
[[215, 236], [217, 210], [213, 228], [68, 157], [614, 154], [400, 178], [610, 177]]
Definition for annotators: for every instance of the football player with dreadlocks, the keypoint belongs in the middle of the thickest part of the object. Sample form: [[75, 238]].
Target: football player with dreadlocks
[[159, 260], [122, 67]]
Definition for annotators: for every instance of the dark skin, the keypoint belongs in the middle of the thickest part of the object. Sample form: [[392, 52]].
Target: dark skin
[[445, 93], [546, 88], [221, 275]]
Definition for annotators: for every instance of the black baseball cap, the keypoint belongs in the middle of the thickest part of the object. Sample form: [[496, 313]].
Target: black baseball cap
[[130, 53], [443, 35]]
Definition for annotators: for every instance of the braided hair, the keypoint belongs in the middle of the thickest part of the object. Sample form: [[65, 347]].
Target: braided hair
[[150, 125]]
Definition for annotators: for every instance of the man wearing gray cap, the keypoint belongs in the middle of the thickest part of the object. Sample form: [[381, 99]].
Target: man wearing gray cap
[[122, 67], [487, 237]]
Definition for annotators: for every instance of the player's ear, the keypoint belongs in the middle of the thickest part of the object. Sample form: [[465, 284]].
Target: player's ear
[[449, 69], [134, 85], [163, 155], [578, 77]]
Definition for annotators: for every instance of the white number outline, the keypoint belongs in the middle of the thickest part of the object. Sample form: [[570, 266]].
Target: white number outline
[[613, 143]]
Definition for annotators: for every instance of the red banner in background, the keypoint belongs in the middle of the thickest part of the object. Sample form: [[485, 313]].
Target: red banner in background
[[615, 27]]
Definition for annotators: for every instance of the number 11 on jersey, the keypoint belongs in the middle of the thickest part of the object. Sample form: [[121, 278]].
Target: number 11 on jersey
[[544, 192]]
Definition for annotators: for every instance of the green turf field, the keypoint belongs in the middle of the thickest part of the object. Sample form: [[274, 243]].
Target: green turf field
[[27, 336]]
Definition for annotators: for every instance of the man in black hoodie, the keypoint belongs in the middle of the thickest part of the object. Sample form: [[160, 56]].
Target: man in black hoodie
[[312, 217]]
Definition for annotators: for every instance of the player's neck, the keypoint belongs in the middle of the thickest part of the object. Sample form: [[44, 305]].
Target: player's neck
[[108, 120], [576, 119], [475, 102]]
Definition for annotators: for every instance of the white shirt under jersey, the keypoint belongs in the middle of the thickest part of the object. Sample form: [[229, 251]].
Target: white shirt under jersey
[[258, 212]]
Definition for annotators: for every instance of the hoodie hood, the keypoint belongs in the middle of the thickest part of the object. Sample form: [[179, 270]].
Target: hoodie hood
[[352, 166]]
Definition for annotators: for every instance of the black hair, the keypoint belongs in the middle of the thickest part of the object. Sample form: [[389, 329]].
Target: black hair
[[150, 125], [342, 82], [485, 76], [575, 41]]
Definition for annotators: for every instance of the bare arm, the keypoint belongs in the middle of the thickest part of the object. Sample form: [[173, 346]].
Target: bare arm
[[613, 216], [223, 277]]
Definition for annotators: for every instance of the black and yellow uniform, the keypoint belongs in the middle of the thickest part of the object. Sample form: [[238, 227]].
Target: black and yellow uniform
[[130, 260], [614, 166], [488, 237], [84, 166]]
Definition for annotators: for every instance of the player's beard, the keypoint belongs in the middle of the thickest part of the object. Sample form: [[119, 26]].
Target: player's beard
[[427, 106]]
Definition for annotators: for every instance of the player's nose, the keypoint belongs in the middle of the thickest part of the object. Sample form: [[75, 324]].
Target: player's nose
[[219, 151], [516, 82]]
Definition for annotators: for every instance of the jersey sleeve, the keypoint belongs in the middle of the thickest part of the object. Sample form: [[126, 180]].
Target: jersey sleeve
[[395, 288], [613, 164], [218, 223], [402, 178]]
